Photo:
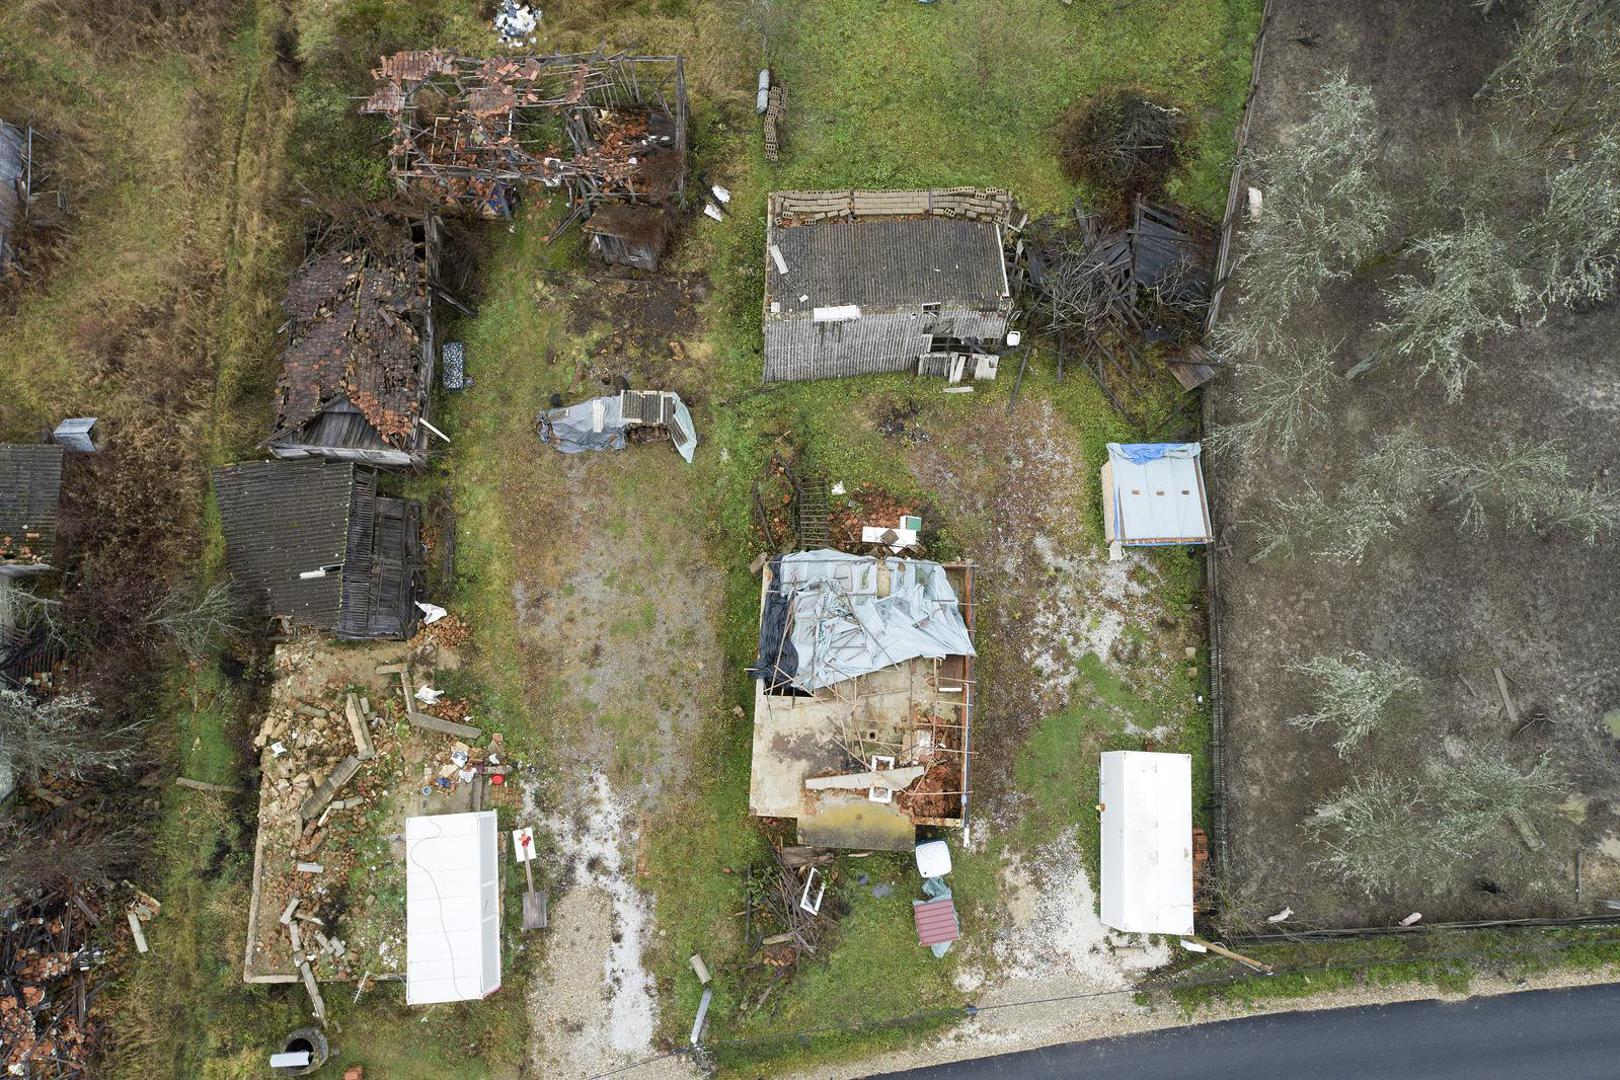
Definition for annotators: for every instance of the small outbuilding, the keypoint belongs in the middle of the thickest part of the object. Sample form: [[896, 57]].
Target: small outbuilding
[[30, 496], [1147, 842], [452, 908], [861, 282], [316, 546], [357, 371], [1153, 495]]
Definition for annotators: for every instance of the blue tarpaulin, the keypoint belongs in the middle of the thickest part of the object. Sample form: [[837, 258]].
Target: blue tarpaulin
[[1143, 452]]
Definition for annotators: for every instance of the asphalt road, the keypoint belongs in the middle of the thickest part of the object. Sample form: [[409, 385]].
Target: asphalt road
[[1535, 1035]]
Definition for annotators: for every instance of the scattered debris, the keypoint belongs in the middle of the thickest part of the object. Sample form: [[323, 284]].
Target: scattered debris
[[516, 22], [608, 423]]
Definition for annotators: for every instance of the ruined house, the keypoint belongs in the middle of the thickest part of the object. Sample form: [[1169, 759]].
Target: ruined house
[[16, 178], [314, 546], [357, 370], [609, 131], [861, 282], [863, 698], [30, 496]]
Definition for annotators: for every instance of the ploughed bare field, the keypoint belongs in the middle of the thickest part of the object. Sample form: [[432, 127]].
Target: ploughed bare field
[[1454, 605]]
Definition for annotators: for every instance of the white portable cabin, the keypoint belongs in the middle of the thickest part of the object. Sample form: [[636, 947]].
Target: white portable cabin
[[1147, 842], [452, 908], [1153, 495]]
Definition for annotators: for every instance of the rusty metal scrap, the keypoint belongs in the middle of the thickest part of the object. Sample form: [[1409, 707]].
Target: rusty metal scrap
[[608, 128]]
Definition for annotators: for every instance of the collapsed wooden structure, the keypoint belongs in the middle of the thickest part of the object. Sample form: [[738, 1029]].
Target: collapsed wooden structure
[[314, 546], [1106, 294], [357, 370], [610, 130]]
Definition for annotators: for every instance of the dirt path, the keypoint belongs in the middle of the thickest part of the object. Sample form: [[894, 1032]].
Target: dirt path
[[617, 608]]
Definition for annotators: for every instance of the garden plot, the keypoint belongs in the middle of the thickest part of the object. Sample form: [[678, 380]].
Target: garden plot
[[1451, 604]]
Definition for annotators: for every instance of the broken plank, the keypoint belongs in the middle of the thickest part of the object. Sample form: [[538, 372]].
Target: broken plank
[[316, 800], [135, 929], [444, 727], [314, 992], [1527, 832], [1507, 698], [287, 912], [357, 728], [894, 779], [199, 785]]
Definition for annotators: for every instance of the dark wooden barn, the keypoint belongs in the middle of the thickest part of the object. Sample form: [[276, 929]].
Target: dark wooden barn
[[315, 546]]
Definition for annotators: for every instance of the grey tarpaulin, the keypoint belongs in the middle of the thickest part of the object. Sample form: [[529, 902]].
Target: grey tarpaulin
[[599, 424], [838, 626]]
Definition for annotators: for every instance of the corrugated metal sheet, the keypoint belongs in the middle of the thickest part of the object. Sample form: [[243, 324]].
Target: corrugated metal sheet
[[936, 921], [30, 494], [888, 265]]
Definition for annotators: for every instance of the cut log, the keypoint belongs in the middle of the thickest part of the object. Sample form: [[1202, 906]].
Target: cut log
[[1507, 698], [443, 727], [316, 800]]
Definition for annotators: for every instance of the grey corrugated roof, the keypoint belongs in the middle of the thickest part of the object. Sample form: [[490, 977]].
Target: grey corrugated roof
[[887, 264], [282, 518], [30, 493]]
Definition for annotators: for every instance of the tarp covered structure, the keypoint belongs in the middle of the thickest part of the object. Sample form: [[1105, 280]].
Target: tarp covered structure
[[1153, 494], [601, 424], [1147, 842], [831, 616], [452, 908]]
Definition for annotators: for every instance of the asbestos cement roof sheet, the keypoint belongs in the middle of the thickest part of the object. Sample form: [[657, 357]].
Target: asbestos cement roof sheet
[[887, 265]]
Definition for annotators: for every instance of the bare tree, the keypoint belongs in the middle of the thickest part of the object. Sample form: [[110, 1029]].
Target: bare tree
[[1476, 795], [1354, 693], [198, 622], [1325, 210], [1565, 64], [1533, 484], [1386, 484], [58, 736], [37, 857], [1574, 241], [1377, 832], [1467, 288], [1279, 396]]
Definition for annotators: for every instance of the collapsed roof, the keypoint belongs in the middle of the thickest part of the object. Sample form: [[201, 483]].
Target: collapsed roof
[[880, 745], [611, 128], [831, 616], [357, 365], [30, 496], [315, 544]]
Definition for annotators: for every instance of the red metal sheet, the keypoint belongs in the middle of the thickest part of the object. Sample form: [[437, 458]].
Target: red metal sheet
[[936, 921]]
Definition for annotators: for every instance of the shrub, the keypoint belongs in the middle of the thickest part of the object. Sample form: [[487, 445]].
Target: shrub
[[1122, 141]]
